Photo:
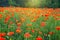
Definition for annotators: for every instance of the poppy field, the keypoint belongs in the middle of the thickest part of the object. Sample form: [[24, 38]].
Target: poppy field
[[29, 23]]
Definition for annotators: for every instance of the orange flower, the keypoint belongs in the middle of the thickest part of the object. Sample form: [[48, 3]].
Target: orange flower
[[50, 10], [2, 34], [22, 19], [1, 16], [2, 10], [37, 16], [39, 38], [50, 33], [43, 24], [1, 38], [46, 15], [57, 10], [18, 31], [57, 18], [18, 24], [33, 31], [28, 14], [27, 35], [33, 20], [10, 33], [12, 14], [57, 14], [58, 28], [17, 10], [7, 18], [29, 24]]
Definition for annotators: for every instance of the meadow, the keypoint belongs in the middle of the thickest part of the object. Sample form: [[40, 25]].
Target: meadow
[[18, 23]]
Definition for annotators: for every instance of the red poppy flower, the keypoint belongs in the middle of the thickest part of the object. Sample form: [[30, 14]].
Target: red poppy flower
[[18, 31], [10, 33], [2, 34], [33, 31], [46, 15], [7, 18], [27, 35], [1, 38], [58, 28], [43, 24], [18, 24], [39, 38], [1, 16]]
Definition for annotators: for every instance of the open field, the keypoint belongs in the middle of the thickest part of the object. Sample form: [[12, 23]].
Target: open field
[[29, 23]]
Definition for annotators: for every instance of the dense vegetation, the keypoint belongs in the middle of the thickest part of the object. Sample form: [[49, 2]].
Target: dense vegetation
[[31, 3], [29, 23]]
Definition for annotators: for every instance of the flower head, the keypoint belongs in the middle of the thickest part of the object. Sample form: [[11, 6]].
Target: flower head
[[27, 35], [2, 34], [43, 24], [51, 33], [1, 38], [39, 38], [58, 28], [18, 31], [10, 33], [33, 31], [1, 16]]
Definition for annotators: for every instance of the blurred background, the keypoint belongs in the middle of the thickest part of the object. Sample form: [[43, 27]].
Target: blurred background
[[31, 3]]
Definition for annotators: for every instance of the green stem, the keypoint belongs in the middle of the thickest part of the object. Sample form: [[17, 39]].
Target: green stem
[[26, 39]]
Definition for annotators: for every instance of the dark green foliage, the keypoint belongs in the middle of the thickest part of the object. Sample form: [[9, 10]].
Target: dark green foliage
[[22, 3]]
